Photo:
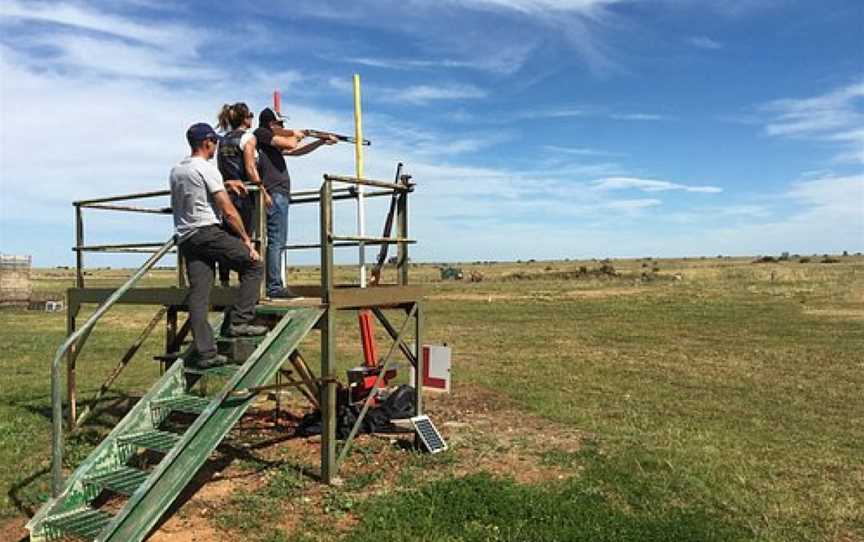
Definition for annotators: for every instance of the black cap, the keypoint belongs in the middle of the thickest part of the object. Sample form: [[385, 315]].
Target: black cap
[[199, 132], [267, 116]]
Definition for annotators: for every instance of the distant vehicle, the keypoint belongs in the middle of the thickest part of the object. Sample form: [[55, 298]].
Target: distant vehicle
[[451, 273]]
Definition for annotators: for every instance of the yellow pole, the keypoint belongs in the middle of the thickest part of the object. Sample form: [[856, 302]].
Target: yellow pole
[[358, 155]]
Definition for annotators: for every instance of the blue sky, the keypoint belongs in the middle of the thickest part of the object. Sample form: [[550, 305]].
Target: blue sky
[[534, 128]]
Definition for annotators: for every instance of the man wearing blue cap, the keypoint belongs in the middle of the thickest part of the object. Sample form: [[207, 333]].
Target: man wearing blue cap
[[200, 205]]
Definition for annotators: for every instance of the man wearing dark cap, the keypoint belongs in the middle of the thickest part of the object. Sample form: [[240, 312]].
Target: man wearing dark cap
[[200, 206], [274, 143]]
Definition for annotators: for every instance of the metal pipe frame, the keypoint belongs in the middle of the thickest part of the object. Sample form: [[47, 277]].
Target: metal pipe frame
[[139, 195], [129, 208], [56, 394], [369, 182], [332, 299]]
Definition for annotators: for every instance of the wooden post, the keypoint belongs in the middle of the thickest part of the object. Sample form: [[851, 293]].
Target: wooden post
[[261, 233], [170, 332], [358, 155], [402, 233], [328, 342], [421, 363], [181, 269], [79, 242]]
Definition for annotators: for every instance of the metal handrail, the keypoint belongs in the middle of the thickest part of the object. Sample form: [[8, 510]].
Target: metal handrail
[[56, 397]]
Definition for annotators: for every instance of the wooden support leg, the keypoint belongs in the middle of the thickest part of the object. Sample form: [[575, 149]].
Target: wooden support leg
[[124, 362], [328, 397], [311, 390], [388, 327], [170, 334], [420, 362]]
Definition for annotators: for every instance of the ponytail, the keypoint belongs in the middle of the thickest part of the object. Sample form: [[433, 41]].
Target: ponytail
[[232, 116], [224, 118]]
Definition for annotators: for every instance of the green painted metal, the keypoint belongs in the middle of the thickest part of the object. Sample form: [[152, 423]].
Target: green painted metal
[[85, 523], [124, 480], [151, 500], [81, 335], [151, 493], [107, 457]]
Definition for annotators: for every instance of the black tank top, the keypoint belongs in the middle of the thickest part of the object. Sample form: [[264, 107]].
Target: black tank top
[[229, 157]]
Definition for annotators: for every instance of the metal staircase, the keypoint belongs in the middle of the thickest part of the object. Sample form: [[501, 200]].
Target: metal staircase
[[83, 508]]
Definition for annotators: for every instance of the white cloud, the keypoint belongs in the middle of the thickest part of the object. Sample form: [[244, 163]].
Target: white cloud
[[841, 197], [79, 38], [505, 60], [833, 117], [113, 58], [422, 94], [829, 218], [704, 42], [539, 6], [648, 185], [165, 36], [579, 151], [632, 204], [636, 116], [553, 113]]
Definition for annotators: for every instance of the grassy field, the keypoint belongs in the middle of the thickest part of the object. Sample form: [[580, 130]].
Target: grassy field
[[709, 399]]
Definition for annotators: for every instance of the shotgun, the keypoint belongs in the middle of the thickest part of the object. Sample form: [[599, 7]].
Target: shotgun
[[388, 228], [318, 134], [345, 139]]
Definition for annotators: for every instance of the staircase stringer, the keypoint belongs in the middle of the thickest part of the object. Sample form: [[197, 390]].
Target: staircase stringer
[[155, 496]]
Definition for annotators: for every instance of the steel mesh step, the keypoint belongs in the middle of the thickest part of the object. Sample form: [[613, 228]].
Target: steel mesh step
[[86, 524], [189, 404], [123, 480], [161, 441]]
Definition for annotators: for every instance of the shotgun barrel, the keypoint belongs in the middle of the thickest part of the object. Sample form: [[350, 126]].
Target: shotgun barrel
[[347, 139]]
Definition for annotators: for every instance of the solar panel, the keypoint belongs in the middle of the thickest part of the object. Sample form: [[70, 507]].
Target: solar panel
[[431, 438]]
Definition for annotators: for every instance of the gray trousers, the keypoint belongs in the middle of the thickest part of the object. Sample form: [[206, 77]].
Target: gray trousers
[[202, 250]]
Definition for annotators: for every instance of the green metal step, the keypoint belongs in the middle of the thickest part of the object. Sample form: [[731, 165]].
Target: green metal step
[[151, 493], [189, 404], [86, 523], [123, 480], [160, 441]]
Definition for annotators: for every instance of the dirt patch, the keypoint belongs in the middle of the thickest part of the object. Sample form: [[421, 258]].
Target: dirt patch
[[485, 432], [13, 530], [195, 528]]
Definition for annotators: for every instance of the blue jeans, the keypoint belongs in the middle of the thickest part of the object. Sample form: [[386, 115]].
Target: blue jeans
[[277, 236]]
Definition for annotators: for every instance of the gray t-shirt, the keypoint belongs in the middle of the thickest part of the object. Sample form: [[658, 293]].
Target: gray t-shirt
[[193, 182]]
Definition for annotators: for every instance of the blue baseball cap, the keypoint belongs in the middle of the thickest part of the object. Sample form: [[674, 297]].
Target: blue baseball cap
[[201, 131]]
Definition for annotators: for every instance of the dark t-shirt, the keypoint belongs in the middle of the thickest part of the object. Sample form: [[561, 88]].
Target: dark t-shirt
[[271, 163]]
